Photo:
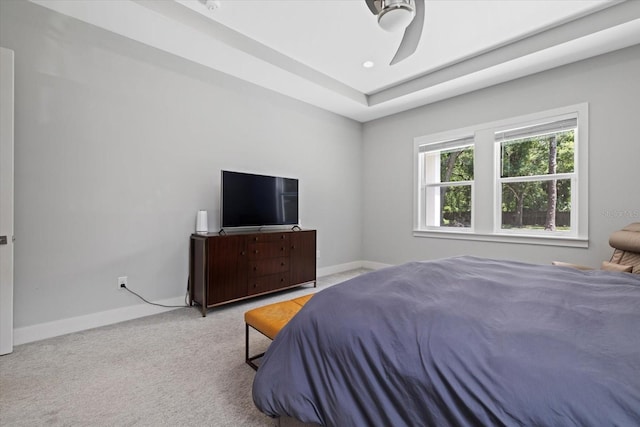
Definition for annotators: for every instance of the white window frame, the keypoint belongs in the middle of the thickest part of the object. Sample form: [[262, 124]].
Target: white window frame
[[425, 211], [486, 191], [499, 180]]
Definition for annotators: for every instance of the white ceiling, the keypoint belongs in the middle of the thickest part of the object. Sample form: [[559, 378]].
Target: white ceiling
[[313, 50]]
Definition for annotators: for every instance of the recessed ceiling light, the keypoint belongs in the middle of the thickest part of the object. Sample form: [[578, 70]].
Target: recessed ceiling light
[[368, 64]]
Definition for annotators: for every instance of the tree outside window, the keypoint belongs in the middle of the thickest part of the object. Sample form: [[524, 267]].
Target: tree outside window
[[447, 184], [536, 177], [522, 179]]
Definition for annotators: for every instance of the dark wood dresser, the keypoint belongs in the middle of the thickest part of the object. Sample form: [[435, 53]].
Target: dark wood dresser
[[230, 267]]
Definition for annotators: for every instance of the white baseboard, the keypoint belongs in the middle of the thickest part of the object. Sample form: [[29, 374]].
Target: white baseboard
[[333, 269], [42, 331], [56, 328], [340, 268], [371, 265]]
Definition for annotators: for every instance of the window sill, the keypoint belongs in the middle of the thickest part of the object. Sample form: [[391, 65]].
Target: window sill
[[571, 242]]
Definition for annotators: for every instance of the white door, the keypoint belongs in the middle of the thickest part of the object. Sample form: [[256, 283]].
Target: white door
[[6, 201]]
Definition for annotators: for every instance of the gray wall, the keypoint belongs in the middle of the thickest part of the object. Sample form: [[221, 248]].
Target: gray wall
[[608, 83], [117, 145]]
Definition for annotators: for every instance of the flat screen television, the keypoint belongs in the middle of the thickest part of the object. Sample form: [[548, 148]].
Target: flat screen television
[[249, 200]]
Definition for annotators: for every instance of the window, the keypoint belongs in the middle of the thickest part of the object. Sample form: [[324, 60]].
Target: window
[[521, 180], [446, 175], [537, 176]]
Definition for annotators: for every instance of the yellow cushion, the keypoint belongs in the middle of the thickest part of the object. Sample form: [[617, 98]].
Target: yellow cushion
[[302, 300], [269, 319]]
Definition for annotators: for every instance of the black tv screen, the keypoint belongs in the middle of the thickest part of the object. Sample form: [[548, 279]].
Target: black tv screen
[[249, 200]]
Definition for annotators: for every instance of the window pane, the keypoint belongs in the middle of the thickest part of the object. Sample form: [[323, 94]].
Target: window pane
[[539, 155], [456, 164], [543, 205], [450, 206]]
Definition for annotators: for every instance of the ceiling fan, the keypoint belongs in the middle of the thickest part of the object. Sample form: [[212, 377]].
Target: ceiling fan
[[394, 15]]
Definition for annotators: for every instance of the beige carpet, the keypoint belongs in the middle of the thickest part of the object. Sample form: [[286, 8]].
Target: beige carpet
[[177, 368]]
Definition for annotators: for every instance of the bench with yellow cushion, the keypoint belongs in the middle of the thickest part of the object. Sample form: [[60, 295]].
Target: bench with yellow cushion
[[269, 320]]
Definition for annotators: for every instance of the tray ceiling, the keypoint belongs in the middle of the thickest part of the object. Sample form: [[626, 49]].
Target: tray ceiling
[[313, 50]]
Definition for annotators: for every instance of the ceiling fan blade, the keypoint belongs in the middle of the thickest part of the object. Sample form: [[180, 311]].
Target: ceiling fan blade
[[412, 35], [372, 6]]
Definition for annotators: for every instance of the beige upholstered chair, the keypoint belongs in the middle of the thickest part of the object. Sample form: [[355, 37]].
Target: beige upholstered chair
[[626, 253]]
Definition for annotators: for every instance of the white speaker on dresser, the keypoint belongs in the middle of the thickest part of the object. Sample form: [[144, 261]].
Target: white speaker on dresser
[[202, 223]]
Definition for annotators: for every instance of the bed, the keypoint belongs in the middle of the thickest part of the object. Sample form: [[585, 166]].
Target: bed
[[461, 341]]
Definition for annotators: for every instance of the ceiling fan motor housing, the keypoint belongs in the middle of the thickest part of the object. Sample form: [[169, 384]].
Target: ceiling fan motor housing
[[396, 14]]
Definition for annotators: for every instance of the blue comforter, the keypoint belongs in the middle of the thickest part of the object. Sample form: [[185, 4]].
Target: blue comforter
[[461, 342]]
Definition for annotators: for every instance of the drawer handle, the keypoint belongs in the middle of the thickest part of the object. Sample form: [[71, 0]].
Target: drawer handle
[[282, 248], [282, 236], [255, 268], [255, 252], [242, 253], [282, 264], [282, 279], [255, 285]]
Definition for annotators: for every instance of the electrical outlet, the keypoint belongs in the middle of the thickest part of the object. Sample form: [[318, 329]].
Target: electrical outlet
[[122, 282]]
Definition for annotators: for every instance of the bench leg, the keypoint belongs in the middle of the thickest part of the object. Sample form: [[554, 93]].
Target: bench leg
[[247, 359]]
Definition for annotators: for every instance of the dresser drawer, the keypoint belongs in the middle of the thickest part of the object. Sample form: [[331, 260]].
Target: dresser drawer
[[273, 249], [269, 237], [268, 283], [262, 267]]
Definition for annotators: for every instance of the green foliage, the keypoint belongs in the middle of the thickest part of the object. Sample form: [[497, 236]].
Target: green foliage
[[455, 166], [519, 158], [530, 157]]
